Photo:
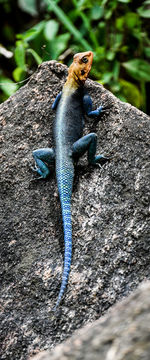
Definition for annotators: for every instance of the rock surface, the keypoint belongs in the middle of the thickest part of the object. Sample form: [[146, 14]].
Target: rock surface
[[110, 212], [123, 334]]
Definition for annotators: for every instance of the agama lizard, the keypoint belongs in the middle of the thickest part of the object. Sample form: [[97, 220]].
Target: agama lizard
[[71, 104]]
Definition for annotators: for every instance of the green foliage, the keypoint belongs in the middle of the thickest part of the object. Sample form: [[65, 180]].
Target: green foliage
[[129, 90], [144, 10], [51, 29], [28, 6], [138, 69], [8, 90], [116, 31]]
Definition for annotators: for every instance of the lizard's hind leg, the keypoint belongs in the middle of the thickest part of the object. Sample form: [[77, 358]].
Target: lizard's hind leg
[[88, 143], [43, 157]]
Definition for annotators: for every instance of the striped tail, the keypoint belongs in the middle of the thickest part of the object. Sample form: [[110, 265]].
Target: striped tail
[[65, 176]]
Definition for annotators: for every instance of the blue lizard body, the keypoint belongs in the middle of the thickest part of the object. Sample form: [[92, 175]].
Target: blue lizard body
[[71, 104]]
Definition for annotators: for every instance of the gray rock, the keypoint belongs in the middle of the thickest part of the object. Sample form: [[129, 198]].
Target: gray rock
[[110, 212], [123, 334]]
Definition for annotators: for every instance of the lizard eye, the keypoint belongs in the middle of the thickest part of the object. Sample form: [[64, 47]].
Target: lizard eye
[[85, 60]]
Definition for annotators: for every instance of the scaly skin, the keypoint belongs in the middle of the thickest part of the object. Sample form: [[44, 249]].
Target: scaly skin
[[69, 146]]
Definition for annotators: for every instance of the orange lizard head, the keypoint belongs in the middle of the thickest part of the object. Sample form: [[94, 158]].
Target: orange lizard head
[[81, 66]]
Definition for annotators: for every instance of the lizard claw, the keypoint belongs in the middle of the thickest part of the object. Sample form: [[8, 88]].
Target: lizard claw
[[98, 165], [101, 159], [99, 110], [36, 170], [38, 178]]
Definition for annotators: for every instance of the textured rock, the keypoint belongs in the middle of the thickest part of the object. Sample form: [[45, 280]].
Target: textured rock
[[123, 334], [109, 210]]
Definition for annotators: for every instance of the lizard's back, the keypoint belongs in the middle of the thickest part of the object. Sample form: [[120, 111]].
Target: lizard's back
[[68, 125]]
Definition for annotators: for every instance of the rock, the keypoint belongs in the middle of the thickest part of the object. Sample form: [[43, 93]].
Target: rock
[[123, 334], [110, 213]]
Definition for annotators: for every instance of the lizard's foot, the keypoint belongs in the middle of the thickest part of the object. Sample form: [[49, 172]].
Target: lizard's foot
[[43, 157], [43, 174], [100, 159]]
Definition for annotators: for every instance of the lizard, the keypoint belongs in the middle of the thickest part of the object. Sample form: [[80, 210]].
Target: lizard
[[70, 104]]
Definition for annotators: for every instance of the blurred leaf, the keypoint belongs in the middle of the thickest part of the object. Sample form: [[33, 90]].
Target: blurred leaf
[[120, 23], [124, 49], [81, 3], [115, 86], [92, 34], [121, 97], [147, 51], [58, 45], [26, 35], [144, 13], [28, 6], [51, 29], [116, 70], [102, 24], [138, 69], [32, 33], [20, 55], [8, 86], [109, 9], [100, 52], [106, 77], [104, 2], [17, 74], [108, 14], [75, 14], [131, 92], [67, 23], [117, 41], [110, 55], [131, 19], [101, 33], [144, 10], [35, 55], [97, 12], [124, 1]]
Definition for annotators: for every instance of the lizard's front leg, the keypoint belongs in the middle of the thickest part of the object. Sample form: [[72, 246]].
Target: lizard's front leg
[[56, 101], [43, 157], [88, 143], [87, 105]]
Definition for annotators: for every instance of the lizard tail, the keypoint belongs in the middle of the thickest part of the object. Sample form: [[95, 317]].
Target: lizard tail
[[65, 183]]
